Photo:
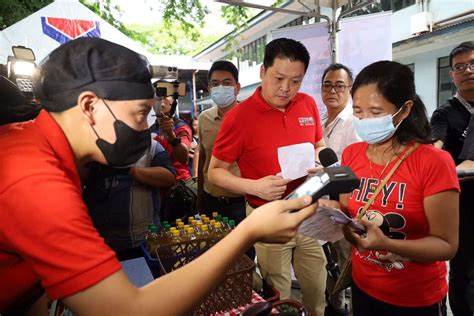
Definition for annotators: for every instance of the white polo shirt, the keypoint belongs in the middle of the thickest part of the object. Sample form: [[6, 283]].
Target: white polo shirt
[[340, 133]]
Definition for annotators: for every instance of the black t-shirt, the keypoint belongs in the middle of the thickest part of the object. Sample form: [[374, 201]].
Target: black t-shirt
[[449, 124], [468, 149]]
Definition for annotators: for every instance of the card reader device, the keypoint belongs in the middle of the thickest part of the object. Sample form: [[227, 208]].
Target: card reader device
[[333, 180]]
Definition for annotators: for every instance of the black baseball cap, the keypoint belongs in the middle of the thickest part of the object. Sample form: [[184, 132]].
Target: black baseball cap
[[111, 71]]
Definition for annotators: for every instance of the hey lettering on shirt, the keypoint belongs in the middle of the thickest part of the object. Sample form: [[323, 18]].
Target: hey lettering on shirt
[[364, 192]]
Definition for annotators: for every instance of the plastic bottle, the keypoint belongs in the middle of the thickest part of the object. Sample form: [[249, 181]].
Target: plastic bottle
[[152, 240], [163, 235], [195, 225], [204, 231], [225, 223], [214, 215], [175, 242], [211, 225], [190, 234], [218, 231], [203, 238]]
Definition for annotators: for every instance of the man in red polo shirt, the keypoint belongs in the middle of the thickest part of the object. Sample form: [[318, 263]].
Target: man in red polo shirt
[[97, 96], [274, 117]]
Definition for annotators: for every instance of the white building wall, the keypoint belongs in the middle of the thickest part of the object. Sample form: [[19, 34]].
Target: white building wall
[[443, 9], [425, 55]]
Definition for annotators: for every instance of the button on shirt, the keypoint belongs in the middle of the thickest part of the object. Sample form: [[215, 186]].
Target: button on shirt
[[340, 133], [252, 132]]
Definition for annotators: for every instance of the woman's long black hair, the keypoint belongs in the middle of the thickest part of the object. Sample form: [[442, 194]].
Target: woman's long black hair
[[396, 83]]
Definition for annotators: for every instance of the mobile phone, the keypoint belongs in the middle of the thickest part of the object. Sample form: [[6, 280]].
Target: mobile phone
[[348, 221], [167, 88]]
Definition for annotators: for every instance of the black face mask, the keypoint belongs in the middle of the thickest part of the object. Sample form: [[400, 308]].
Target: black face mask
[[130, 145]]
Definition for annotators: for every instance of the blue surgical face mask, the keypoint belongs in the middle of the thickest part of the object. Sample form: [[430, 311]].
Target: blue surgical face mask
[[376, 130], [223, 96]]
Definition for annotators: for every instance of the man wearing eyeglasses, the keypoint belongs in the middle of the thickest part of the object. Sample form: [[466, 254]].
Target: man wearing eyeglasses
[[450, 124], [338, 128]]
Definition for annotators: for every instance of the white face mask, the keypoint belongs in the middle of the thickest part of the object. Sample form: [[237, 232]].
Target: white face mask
[[223, 96], [377, 129]]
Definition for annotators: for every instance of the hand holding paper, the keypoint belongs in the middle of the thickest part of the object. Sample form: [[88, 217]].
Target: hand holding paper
[[326, 224]]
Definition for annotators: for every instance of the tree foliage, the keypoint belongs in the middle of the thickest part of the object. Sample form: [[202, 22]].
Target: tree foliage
[[168, 38], [14, 11], [179, 32]]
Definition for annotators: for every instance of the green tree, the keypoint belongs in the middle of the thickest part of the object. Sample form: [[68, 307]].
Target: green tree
[[169, 38], [14, 11]]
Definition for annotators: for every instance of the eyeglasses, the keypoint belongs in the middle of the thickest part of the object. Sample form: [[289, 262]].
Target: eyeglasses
[[460, 68], [225, 83], [338, 87]]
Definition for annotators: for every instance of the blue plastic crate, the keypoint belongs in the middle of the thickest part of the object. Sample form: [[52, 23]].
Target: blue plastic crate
[[153, 263]]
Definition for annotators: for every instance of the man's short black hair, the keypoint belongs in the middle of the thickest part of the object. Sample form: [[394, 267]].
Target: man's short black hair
[[337, 66], [285, 48], [224, 65], [464, 47]]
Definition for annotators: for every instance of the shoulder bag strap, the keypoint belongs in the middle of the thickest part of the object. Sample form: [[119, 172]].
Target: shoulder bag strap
[[385, 180]]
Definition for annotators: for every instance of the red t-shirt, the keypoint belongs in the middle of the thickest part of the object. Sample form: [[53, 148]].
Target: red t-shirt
[[383, 275], [183, 131], [252, 132], [46, 234]]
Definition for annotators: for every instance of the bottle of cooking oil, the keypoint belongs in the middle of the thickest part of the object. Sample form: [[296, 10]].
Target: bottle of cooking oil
[[195, 226], [218, 231], [175, 243], [164, 235], [225, 223], [152, 239]]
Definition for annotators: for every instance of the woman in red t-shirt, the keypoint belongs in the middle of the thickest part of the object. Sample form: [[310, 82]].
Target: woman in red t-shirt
[[398, 266]]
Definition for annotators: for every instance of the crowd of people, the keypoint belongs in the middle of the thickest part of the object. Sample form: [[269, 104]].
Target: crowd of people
[[82, 181]]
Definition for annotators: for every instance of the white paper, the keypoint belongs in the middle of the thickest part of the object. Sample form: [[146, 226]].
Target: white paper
[[295, 160], [322, 226]]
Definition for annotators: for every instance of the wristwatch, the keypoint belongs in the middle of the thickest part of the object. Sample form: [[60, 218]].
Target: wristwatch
[[175, 141]]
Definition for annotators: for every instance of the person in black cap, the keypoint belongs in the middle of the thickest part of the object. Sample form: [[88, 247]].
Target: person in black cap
[[97, 96]]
